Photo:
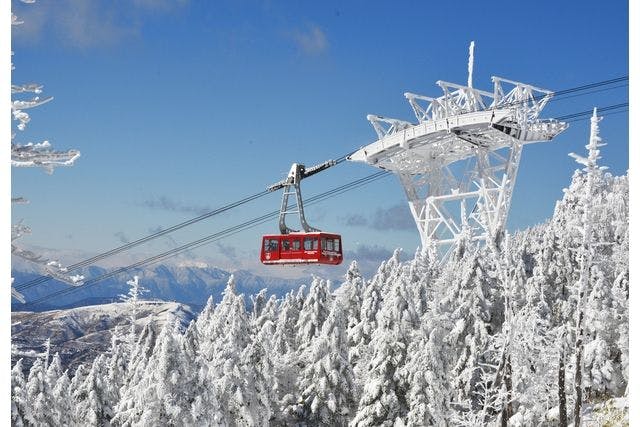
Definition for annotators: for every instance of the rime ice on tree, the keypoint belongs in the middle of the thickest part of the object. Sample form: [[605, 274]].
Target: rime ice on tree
[[40, 154], [586, 253]]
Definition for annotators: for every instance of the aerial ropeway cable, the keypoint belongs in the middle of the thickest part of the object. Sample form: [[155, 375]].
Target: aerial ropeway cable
[[86, 262], [253, 223], [127, 246], [192, 245], [212, 237], [270, 216], [588, 113]]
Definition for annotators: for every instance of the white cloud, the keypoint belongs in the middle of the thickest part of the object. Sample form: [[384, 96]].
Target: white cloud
[[85, 24], [312, 40]]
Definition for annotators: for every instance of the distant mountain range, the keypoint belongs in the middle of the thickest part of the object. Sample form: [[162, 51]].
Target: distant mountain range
[[190, 285]]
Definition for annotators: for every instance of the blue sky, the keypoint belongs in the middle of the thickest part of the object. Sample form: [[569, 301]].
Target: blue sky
[[179, 107]]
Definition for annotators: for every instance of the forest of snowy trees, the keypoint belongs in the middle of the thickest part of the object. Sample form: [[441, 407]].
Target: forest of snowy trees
[[528, 330]]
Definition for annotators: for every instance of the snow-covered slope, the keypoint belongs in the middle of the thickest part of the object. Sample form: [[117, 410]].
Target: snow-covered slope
[[79, 334]]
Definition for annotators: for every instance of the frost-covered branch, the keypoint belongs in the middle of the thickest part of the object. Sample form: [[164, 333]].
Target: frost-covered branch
[[53, 268], [41, 155], [29, 87], [35, 155]]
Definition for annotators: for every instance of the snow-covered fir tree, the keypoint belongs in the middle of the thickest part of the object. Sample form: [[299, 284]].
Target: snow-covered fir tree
[[92, 405], [327, 384], [313, 313], [19, 402]]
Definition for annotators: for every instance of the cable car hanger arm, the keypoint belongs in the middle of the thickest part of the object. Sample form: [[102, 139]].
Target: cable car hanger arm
[[297, 173]]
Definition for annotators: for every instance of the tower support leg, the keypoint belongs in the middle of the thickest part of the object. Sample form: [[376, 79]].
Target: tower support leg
[[474, 200]]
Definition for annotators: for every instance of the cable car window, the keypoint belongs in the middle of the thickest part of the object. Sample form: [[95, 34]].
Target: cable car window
[[327, 244], [295, 245], [270, 245], [336, 245], [285, 245], [310, 244]]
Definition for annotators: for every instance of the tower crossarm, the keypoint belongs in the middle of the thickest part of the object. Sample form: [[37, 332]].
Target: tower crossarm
[[385, 126], [433, 110], [525, 100], [460, 99]]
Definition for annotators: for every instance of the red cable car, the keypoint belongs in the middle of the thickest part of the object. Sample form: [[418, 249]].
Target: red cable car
[[301, 248], [293, 247]]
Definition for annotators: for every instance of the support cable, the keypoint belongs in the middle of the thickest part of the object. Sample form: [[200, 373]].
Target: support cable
[[127, 246], [264, 218], [86, 262], [211, 238]]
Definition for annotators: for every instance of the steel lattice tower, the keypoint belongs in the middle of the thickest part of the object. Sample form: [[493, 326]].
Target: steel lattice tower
[[458, 165]]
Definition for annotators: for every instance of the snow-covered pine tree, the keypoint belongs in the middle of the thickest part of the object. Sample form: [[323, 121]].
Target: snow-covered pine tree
[[164, 394], [139, 360], [429, 360], [586, 253], [388, 273], [259, 362], [602, 376], [133, 303], [53, 370], [379, 404], [313, 313], [19, 403], [117, 368], [326, 384], [466, 313], [360, 335], [350, 294], [205, 315], [429, 394], [532, 358], [384, 398], [285, 327], [424, 268], [91, 403], [503, 267], [62, 412], [267, 317], [226, 369], [620, 293], [554, 270], [284, 352], [205, 407], [258, 302], [39, 394]]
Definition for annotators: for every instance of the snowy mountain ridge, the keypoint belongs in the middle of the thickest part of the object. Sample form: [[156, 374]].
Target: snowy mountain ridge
[[188, 284]]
